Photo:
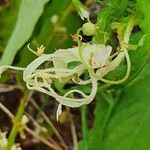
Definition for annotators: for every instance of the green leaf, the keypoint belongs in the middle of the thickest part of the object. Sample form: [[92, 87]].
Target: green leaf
[[145, 71], [51, 35], [128, 128], [104, 107], [139, 60], [144, 7], [8, 17], [94, 135], [115, 9], [29, 13]]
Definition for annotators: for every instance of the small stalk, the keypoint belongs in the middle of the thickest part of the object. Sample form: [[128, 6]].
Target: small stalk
[[17, 120], [111, 103], [60, 23], [84, 114], [29, 131]]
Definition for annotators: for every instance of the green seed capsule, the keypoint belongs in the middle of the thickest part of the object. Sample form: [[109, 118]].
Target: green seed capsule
[[89, 29]]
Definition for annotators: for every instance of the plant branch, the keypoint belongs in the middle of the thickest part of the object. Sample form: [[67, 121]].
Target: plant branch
[[49, 123], [59, 24], [84, 126], [29, 131], [17, 120], [73, 131]]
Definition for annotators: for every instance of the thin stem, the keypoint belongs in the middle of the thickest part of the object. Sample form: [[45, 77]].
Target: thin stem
[[130, 25], [127, 72], [59, 24], [80, 46], [37, 125], [49, 122], [66, 13], [2, 107], [112, 103], [111, 106], [55, 147], [84, 126], [7, 88], [17, 120], [123, 42], [89, 2], [29, 131], [73, 131]]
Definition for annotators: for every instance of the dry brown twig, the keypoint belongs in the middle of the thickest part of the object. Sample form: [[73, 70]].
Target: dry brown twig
[[73, 131], [49, 123], [29, 131], [37, 125], [7, 88]]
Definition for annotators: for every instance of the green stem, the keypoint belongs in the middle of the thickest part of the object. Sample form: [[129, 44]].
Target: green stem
[[63, 17], [66, 14], [110, 109], [112, 103], [130, 25], [17, 120], [84, 126]]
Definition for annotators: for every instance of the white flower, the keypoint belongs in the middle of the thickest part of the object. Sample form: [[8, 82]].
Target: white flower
[[82, 9], [24, 119], [3, 139], [40, 50], [59, 111], [96, 59], [16, 147], [97, 55], [94, 56], [84, 13], [54, 19]]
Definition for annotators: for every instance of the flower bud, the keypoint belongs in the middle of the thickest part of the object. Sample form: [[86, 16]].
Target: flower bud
[[89, 29]]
